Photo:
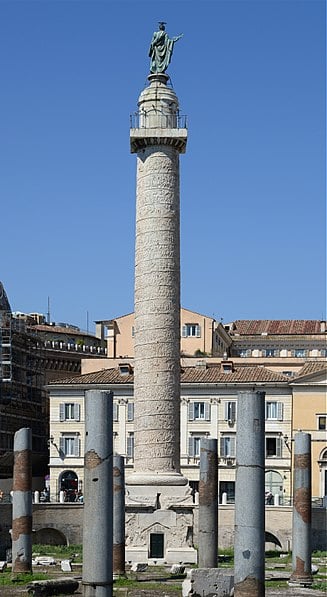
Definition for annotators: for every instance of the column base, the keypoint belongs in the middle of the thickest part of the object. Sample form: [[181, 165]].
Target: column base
[[169, 478]]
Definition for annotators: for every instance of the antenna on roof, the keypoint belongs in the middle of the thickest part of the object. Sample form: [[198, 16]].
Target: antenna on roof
[[48, 312]]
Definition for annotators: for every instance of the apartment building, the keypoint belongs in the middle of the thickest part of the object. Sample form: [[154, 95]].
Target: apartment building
[[310, 415], [208, 408], [200, 335]]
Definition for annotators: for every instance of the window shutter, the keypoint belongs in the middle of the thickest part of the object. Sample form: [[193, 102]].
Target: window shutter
[[191, 411], [233, 410], [61, 445], [264, 353], [226, 411], [222, 446], [198, 331], [76, 411], [77, 442], [232, 446], [115, 411], [130, 411], [184, 331], [266, 411], [279, 447], [207, 411], [190, 446], [61, 412], [292, 353], [280, 411]]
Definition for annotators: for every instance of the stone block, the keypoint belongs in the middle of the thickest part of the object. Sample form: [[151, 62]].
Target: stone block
[[44, 561], [177, 569], [205, 582], [66, 565], [139, 567]]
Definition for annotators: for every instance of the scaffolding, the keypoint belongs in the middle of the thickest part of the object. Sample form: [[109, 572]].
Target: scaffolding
[[23, 401]]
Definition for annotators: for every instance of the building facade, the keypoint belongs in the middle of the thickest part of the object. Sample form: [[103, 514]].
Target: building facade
[[200, 335], [310, 416], [208, 409]]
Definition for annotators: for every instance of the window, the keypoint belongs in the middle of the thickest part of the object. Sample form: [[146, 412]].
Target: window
[[227, 446], [273, 447], [299, 352], [227, 487], [130, 445], [322, 422], [130, 411], [70, 445], [191, 330], [274, 410], [230, 411], [270, 352], [115, 412], [245, 352], [194, 445], [69, 411], [199, 411]]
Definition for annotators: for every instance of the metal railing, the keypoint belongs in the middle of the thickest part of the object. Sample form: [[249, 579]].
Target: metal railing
[[156, 119]]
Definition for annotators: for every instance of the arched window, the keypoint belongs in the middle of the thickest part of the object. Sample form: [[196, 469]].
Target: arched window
[[273, 483]]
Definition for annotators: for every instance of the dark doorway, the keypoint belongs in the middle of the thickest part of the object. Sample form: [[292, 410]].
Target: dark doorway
[[156, 545], [68, 483]]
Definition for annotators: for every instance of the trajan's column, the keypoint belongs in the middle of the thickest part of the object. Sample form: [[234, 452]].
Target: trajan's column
[[158, 137]]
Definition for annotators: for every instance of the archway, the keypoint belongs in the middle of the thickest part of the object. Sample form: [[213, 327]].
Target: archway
[[49, 536], [273, 483], [68, 482], [272, 539]]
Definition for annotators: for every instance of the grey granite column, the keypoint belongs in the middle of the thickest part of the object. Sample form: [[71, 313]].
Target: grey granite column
[[22, 502], [249, 556], [118, 516], [208, 504], [98, 508], [301, 531]]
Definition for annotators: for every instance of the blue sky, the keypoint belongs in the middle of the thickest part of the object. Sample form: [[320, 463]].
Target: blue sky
[[250, 75]]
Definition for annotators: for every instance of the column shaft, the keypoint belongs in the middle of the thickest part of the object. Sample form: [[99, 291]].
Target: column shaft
[[208, 504], [249, 554], [22, 502], [301, 532], [98, 506], [157, 312]]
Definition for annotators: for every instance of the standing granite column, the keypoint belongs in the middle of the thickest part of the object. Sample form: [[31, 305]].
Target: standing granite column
[[157, 140], [118, 516], [98, 481], [301, 532], [22, 502], [249, 548], [208, 504]]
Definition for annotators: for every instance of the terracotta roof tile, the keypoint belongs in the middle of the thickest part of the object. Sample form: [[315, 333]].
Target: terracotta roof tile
[[253, 327], [212, 374], [312, 367]]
